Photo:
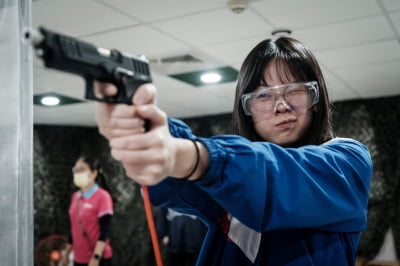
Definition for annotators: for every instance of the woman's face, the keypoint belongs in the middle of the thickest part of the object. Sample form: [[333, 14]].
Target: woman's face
[[82, 167], [283, 125]]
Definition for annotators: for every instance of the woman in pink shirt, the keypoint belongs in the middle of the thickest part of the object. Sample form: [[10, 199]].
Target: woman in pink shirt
[[90, 213]]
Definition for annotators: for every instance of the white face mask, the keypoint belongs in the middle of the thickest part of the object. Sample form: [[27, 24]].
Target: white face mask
[[81, 180]]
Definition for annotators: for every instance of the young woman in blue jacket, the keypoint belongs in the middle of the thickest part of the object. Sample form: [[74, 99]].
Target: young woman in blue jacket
[[282, 191]]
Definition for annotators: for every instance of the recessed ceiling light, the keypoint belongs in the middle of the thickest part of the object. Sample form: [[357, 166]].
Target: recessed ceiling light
[[210, 77], [227, 74], [50, 100]]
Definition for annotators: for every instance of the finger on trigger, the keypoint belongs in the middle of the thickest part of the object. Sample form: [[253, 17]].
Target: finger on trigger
[[104, 88]]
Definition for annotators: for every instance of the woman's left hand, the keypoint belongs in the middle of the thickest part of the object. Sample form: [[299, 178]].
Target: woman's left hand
[[94, 262]]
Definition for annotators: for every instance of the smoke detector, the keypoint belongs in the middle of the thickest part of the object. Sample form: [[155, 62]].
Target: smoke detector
[[237, 6]]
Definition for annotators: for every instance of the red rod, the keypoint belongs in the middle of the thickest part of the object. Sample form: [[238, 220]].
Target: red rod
[[152, 227]]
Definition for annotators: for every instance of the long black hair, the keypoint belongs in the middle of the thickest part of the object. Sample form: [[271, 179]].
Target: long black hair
[[292, 59]]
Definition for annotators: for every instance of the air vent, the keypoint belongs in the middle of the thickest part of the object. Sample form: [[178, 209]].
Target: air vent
[[186, 58]]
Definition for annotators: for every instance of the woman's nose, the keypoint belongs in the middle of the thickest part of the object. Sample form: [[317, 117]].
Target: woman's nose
[[281, 105]]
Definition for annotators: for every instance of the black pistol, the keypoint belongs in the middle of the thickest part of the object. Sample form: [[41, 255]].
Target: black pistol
[[71, 55]]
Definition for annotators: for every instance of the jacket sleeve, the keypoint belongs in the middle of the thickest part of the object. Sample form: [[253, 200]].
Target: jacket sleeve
[[268, 187], [185, 196]]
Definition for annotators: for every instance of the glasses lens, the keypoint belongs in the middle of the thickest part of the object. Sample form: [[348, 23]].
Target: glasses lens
[[298, 96], [263, 100]]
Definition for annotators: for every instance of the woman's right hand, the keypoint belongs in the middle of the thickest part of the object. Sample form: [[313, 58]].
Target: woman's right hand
[[147, 156]]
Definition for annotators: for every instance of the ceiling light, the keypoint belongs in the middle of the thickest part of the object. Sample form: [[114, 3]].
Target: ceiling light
[[226, 74], [210, 77], [50, 100], [54, 99]]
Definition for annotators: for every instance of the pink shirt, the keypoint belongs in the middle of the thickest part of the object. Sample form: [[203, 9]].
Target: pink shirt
[[84, 213]]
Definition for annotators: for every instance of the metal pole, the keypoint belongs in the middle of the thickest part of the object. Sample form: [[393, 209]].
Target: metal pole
[[16, 137]]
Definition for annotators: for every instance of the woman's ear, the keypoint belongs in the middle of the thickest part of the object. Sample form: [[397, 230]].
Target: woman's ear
[[315, 108], [95, 173]]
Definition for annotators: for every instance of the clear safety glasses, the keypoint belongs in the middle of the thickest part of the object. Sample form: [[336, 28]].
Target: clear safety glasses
[[292, 95]]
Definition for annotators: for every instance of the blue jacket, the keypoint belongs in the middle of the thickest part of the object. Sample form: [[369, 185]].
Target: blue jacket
[[269, 205]]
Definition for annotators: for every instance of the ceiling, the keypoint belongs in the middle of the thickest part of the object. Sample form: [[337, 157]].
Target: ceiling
[[357, 43]]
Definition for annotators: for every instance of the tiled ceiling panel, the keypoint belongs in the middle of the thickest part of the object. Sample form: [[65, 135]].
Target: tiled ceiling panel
[[156, 10], [136, 40], [76, 17], [347, 34], [214, 27], [391, 5], [369, 53], [308, 13]]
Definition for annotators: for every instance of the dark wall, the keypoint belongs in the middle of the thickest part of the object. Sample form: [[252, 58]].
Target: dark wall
[[374, 122]]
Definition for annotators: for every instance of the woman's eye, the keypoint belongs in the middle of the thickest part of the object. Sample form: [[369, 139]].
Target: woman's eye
[[263, 96], [295, 92]]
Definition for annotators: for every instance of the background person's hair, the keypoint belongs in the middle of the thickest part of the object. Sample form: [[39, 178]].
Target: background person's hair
[[94, 164], [294, 60]]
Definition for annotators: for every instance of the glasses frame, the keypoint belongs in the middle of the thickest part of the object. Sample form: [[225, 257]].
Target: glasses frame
[[312, 85]]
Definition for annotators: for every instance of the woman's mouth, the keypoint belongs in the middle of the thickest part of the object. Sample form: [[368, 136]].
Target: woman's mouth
[[286, 123]]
